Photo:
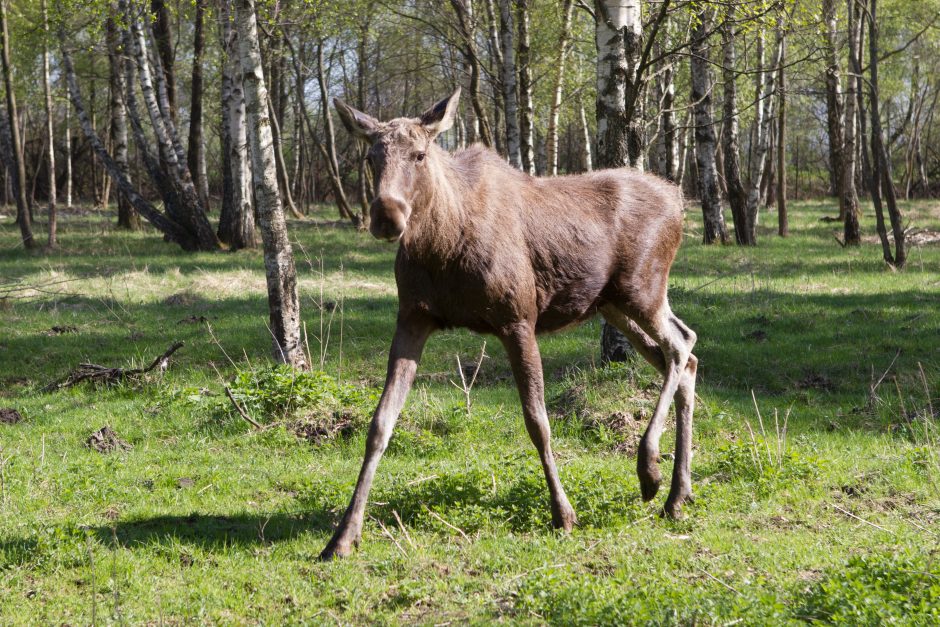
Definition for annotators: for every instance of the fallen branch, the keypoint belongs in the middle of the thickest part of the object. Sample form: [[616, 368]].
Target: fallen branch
[[106, 375], [241, 412]]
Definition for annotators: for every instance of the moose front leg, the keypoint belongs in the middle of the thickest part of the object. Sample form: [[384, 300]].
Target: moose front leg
[[410, 337], [526, 364]]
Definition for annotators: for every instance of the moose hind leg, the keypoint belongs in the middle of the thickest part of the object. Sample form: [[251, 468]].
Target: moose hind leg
[[523, 351], [666, 343], [681, 490]]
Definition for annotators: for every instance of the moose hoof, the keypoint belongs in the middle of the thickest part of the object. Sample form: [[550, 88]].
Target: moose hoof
[[647, 469], [564, 518], [337, 549], [673, 508]]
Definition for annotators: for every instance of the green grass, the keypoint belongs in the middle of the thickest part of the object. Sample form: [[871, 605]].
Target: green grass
[[206, 520]]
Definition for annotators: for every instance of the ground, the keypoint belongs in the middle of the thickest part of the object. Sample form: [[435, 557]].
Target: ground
[[815, 462]]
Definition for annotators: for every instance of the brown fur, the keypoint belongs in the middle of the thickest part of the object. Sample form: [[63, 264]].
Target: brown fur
[[492, 249]]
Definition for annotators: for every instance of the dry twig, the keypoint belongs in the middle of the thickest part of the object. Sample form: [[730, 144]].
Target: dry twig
[[106, 375]]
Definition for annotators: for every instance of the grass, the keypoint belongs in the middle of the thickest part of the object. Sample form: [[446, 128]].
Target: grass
[[207, 520]]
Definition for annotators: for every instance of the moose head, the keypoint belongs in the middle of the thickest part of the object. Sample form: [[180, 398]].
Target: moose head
[[402, 154]]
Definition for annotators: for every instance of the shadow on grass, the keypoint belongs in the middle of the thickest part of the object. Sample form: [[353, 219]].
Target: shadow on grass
[[212, 531]]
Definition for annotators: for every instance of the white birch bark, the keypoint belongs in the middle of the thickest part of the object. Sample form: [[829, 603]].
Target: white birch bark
[[551, 139], [281, 275], [50, 129]]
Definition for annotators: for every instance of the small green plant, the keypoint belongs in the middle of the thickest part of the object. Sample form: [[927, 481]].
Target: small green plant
[[278, 391], [877, 590]]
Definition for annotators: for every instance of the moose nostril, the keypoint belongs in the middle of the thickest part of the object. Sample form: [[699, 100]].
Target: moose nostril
[[389, 216]]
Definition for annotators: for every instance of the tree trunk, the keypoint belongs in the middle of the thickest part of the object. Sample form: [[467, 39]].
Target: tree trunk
[[881, 161], [175, 179], [23, 215], [526, 109], [236, 218], [283, 182], [849, 193], [666, 145], [127, 215], [283, 303], [196, 143], [737, 196], [329, 149], [467, 27], [586, 160], [551, 140], [47, 88], [834, 105], [163, 34], [618, 35], [783, 225], [702, 84], [172, 230], [509, 72], [68, 155]]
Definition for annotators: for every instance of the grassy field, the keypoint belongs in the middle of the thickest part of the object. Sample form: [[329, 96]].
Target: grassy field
[[206, 520]]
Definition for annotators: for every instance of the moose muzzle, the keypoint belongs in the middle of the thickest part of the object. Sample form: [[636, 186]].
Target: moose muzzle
[[388, 217]]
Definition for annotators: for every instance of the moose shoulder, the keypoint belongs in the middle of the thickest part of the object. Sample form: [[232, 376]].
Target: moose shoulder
[[490, 248]]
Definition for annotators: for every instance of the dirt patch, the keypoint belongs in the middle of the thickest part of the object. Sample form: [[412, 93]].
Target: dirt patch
[[815, 381], [757, 336], [193, 319], [9, 416], [317, 429], [106, 440], [626, 429], [571, 402], [180, 299], [62, 330]]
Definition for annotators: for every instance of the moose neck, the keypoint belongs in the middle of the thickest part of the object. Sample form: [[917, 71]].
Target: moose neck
[[437, 219]]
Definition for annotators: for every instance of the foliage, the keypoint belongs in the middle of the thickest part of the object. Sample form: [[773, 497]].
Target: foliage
[[877, 589]]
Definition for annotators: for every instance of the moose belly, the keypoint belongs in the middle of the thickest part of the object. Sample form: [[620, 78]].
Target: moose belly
[[570, 305]]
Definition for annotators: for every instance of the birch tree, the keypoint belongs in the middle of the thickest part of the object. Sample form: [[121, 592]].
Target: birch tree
[[702, 84], [236, 218], [526, 108], [551, 139], [280, 273], [127, 215], [23, 216], [50, 127]]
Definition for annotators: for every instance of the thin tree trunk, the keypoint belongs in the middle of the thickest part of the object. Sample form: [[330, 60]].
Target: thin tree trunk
[[467, 26], [50, 129], [510, 99], [586, 160], [172, 231], [68, 155], [551, 140], [237, 217], [163, 35], [281, 275], [849, 193], [834, 105], [702, 84], [526, 108], [127, 215], [783, 225], [23, 215], [196, 143], [737, 196], [345, 210], [882, 163], [283, 182]]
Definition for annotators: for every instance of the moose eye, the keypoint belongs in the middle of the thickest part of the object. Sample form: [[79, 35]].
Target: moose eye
[[419, 157]]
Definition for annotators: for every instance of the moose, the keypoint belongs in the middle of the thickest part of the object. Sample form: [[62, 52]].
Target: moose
[[487, 247]]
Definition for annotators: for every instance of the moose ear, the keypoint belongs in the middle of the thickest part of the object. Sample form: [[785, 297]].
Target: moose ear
[[355, 121], [440, 117]]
